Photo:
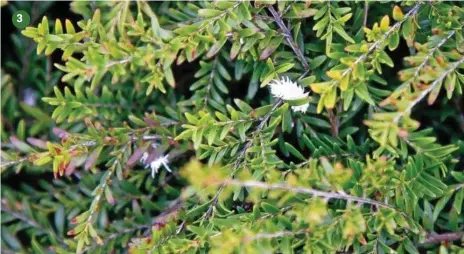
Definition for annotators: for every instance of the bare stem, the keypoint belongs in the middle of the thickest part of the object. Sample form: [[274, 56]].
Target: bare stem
[[366, 11], [105, 105], [273, 235], [313, 192], [11, 163], [288, 37], [333, 123], [123, 61], [433, 238], [151, 137]]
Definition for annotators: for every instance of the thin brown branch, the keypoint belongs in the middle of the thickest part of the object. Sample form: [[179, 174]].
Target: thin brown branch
[[334, 123], [433, 238], [366, 12], [313, 192], [273, 235], [149, 137], [15, 162], [289, 38], [123, 61]]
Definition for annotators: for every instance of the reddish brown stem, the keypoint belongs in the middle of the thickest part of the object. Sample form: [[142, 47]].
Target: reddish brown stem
[[433, 238], [334, 125]]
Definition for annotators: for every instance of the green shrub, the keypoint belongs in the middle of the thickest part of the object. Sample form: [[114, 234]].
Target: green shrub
[[239, 127]]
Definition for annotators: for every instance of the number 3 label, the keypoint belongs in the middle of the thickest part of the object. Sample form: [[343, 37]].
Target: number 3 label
[[21, 19]]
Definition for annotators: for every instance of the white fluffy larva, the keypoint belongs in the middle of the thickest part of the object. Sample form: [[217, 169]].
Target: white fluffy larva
[[156, 163], [287, 90]]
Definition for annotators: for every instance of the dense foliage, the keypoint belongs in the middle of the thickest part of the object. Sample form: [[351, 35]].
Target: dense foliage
[[235, 127]]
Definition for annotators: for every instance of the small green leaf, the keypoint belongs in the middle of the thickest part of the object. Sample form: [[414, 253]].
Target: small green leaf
[[343, 34], [214, 49], [458, 199], [269, 208], [294, 151]]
